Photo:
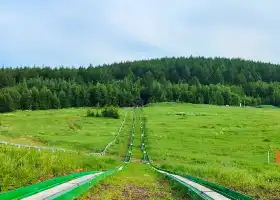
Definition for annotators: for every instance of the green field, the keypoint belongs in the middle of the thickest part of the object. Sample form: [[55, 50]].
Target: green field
[[136, 181], [67, 128], [22, 167], [226, 145]]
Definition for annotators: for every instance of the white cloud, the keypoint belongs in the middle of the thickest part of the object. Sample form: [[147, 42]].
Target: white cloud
[[79, 33]]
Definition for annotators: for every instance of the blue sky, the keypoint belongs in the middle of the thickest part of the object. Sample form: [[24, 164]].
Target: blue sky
[[74, 33]]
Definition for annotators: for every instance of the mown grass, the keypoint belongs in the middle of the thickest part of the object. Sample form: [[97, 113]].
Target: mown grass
[[226, 145], [67, 128]]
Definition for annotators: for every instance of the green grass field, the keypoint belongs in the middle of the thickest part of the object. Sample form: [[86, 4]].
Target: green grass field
[[226, 145], [136, 181], [67, 128], [22, 167]]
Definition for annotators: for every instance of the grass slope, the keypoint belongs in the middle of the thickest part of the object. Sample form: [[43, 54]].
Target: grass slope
[[22, 167], [68, 128], [226, 145], [136, 181]]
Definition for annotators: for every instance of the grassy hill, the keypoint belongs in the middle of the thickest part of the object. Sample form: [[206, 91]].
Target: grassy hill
[[226, 145], [136, 181], [223, 144], [21, 167], [66, 128]]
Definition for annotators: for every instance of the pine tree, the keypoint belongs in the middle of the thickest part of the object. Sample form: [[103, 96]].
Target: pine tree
[[26, 100], [15, 95], [35, 98], [64, 101], [45, 96], [6, 103], [55, 103]]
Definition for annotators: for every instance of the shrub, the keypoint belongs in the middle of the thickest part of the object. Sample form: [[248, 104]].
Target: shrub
[[90, 113], [98, 114], [111, 112]]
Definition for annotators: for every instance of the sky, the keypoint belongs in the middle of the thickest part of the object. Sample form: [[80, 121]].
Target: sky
[[77, 33]]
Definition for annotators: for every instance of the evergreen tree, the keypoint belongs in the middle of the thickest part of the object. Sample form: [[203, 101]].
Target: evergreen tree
[[216, 81], [26, 100], [55, 103], [35, 98], [45, 98], [15, 95], [64, 101], [6, 103]]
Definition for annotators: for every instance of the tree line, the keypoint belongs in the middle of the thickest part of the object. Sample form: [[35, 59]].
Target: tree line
[[205, 70], [199, 80]]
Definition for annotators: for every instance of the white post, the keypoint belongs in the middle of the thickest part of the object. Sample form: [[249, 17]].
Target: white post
[[268, 157]]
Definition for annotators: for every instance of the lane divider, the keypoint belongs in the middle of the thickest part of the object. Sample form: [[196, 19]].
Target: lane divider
[[53, 149], [195, 187], [70, 186]]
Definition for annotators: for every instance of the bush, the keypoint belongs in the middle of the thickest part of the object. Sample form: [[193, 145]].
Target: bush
[[111, 112], [90, 113], [98, 114]]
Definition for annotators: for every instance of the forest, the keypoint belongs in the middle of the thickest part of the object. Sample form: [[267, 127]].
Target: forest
[[198, 80]]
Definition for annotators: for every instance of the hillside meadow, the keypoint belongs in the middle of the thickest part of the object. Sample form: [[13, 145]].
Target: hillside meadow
[[66, 128], [225, 145], [136, 180]]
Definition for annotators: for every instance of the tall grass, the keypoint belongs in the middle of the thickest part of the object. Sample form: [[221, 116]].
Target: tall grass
[[22, 167]]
